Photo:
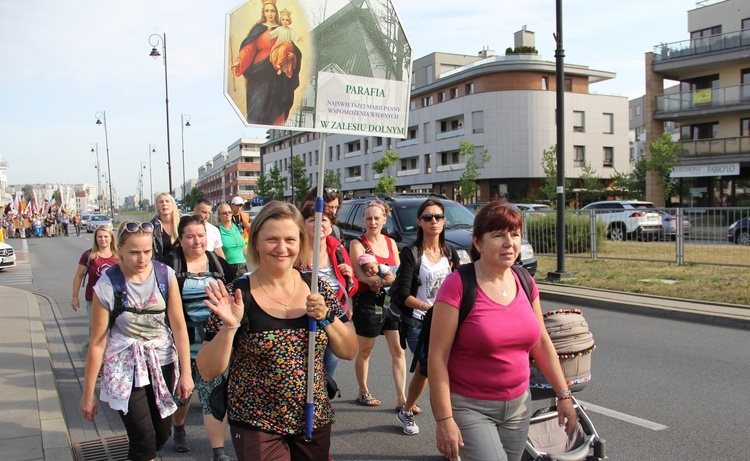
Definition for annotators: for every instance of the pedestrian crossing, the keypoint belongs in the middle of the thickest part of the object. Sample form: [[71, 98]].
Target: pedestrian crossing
[[16, 276]]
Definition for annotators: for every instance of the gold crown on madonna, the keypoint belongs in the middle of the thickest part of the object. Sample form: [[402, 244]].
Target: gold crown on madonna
[[272, 2], [286, 13]]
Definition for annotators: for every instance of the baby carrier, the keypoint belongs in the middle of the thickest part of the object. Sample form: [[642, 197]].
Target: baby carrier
[[547, 441]]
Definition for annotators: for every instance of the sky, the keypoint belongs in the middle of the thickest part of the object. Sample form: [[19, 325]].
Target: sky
[[63, 62]]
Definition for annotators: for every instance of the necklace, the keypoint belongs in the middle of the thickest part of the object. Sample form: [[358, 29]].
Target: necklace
[[286, 305], [502, 290]]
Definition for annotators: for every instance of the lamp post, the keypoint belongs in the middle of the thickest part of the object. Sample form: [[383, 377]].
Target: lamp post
[[184, 122], [140, 185], [99, 117], [151, 151], [95, 149], [155, 40]]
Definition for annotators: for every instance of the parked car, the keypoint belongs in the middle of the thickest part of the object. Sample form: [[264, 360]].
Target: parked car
[[253, 212], [85, 218], [7, 256], [626, 219], [402, 224], [669, 222], [98, 220], [534, 209], [739, 232], [475, 207]]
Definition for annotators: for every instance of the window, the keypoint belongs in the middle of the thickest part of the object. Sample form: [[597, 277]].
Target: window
[[632, 154], [353, 146], [477, 122], [638, 110], [429, 74], [470, 88], [330, 153], [578, 121], [409, 163], [745, 88], [545, 83], [609, 123], [454, 93], [568, 85], [699, 131], [338, 152], [427, 164], [427, 101], [441, 96], [413, 105], [378, 141], [705, 33], [609, 156], [425, 130], [449, 158], [579, 155], [413, 132], [745, 127]]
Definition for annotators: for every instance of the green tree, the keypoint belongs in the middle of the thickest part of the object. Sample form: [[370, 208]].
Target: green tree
[[300, 179], [629, 186], [664, 156], [549, 165], [263, 186], [470, 175], [592, 186], [332, 178], [193, 196], [277, 183], [387, 183]]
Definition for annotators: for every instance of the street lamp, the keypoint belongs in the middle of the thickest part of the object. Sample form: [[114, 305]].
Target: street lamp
[[99, 117], [140, 185], [184, 122], [95, 149], [155, 40], [151, 151]]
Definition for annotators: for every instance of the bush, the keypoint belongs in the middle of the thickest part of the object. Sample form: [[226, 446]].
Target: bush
[[542, 233]]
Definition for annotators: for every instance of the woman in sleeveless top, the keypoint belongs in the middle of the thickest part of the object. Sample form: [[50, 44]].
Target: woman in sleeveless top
[[368, 318]]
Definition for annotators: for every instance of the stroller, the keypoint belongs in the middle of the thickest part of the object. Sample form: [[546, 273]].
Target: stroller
[[546, 440]]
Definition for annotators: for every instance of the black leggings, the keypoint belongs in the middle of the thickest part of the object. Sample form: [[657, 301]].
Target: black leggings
[[147, 431]]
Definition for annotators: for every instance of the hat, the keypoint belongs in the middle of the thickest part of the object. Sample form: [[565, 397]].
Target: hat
[[366, 258], [238, 201]]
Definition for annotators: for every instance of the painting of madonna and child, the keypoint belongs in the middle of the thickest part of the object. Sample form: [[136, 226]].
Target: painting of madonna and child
[[319, 65]]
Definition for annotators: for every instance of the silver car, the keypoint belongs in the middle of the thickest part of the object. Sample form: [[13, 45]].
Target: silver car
[[98, 220]]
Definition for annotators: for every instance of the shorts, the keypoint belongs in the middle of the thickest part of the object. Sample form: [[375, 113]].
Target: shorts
[[368, 321]]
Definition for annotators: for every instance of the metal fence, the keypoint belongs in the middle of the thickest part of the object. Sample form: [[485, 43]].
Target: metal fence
[[688, 236]]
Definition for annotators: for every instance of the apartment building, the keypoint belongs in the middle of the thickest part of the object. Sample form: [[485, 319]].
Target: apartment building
[[231, 172], [711, 105], [502, 103]]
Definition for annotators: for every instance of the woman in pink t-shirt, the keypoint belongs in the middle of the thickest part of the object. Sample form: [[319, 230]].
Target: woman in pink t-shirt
[[479, 374]]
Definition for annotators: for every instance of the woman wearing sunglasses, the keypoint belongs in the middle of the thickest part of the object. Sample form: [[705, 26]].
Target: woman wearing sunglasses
[[195, 269], [137, 352], [368, 304], [232, 240], [415, 289]]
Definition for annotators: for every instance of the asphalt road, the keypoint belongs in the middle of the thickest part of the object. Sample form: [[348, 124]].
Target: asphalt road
[[661, 389]]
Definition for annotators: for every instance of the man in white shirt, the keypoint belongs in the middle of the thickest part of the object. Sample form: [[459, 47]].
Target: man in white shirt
[[213, 236]]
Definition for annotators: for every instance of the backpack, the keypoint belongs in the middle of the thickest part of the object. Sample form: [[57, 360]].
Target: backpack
[[469, 283], [88, 265], [119, 286]]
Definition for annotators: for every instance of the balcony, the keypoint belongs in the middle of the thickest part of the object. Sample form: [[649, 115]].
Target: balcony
[[718, 147], [701, 46], [355, 153], [449, 134], [353, 179], [412, 172], [451, 167], [407, 142], [703, 102]]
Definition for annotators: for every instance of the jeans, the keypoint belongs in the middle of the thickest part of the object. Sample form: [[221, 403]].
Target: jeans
[[492, 430], [412, 336]]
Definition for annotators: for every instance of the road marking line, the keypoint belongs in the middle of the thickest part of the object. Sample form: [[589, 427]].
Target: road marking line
[[624, 417]]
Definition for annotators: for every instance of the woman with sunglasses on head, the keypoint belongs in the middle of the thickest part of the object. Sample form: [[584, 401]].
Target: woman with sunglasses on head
[[479, 371], [415, 289], [195, 269], [368, 304], [232, 241], [144, 360], [92, 264], [334, 265], [261, 332], [165, 225], [332, 198]]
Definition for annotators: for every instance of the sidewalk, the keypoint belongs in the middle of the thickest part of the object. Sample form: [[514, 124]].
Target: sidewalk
[[32, 425]]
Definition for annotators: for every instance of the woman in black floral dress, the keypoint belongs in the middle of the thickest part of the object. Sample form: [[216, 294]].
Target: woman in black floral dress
[[262, 328]]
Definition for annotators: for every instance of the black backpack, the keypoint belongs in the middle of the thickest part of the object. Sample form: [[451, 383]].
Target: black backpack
[[469, 283]]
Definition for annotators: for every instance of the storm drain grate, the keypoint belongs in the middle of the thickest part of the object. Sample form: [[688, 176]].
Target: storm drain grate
[[110, 449]]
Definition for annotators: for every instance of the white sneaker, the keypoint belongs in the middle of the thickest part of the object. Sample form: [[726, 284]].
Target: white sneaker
[[407, 419]]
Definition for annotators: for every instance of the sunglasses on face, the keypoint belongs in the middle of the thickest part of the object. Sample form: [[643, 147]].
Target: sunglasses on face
[[331, 190], [428, 217], [132, 227]]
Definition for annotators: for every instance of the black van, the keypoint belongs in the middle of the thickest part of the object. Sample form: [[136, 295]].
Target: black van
[[401, 226]]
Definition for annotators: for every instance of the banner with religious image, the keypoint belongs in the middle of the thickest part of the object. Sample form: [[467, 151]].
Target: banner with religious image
[[331, 66]]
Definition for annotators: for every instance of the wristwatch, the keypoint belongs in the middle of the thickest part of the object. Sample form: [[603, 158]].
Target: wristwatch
[[330, 317]]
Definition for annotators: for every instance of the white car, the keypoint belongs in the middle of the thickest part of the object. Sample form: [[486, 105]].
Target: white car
[[7, 256], [627, 219], [253, 212], [98, 220], [534, 209]]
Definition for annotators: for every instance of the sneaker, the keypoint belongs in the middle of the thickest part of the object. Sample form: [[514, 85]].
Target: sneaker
[[407, 419]]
